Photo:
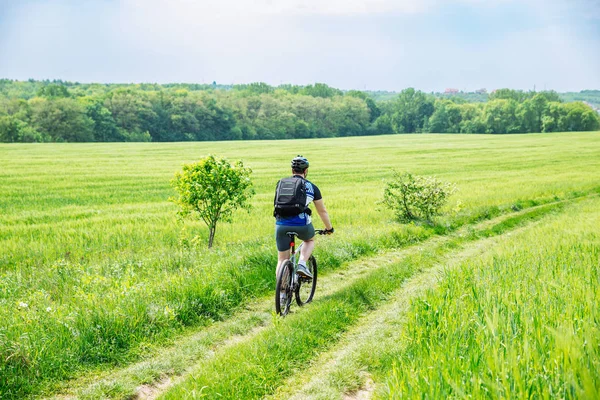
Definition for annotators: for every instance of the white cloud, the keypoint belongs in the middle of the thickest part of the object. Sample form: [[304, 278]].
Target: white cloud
[[246, 8], [281, 7]]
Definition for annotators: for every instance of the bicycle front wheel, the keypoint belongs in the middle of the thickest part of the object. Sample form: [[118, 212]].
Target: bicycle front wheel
[[306, 287], [283, 289]]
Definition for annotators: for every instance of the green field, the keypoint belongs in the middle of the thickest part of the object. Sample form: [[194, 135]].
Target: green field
[[102, 290]]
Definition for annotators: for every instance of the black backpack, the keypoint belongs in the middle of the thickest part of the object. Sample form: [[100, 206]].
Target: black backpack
[[290, 197]]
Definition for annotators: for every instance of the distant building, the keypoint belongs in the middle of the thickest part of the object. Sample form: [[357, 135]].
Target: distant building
[[481, 91], [451, 91]]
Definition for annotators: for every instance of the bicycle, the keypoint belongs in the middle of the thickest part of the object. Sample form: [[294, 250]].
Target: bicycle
[[290, 284]]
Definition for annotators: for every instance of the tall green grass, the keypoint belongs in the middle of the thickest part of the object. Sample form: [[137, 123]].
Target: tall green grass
[[94, 267], [521, 322]]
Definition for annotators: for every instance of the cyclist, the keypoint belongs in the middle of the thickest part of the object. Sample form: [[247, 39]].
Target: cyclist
[[300, 222]]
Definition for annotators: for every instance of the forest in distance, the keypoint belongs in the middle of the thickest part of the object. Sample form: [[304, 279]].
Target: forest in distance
[[59, 111]]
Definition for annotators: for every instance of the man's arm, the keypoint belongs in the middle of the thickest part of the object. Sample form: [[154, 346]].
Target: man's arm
[[320, 206]]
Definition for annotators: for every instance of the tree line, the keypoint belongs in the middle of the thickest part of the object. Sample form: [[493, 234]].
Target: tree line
[[57, 111]]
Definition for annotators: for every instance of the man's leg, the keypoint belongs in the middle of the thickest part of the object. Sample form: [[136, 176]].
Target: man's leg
[[283, 242], [281, 257], [307, 249]]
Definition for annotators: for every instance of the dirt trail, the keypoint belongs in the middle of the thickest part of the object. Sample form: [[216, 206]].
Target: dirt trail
[[151, 377], [148, 378]]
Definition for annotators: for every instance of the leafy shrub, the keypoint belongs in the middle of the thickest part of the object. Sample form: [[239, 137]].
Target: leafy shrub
[[414, 197], [212, 189]]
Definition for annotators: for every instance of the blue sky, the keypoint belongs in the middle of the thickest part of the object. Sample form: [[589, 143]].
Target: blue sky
[[351, 44]]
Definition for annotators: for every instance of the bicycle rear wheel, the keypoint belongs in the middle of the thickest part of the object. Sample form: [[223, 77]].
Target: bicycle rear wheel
[[306, 288], [283, 289]]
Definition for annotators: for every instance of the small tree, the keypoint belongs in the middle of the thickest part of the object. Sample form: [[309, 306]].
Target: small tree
[[416, 197], [212, 189]]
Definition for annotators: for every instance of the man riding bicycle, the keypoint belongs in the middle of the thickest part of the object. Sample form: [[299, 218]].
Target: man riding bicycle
[[292, 197]]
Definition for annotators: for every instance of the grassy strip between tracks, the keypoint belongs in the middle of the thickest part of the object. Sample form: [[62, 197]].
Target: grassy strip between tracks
[[258, 366]]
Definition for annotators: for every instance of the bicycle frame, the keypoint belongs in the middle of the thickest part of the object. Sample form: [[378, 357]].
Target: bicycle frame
[[293, 251], [293, 259], [294, 283]]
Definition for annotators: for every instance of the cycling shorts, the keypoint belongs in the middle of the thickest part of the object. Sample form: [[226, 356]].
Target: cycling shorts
[[305, 232]]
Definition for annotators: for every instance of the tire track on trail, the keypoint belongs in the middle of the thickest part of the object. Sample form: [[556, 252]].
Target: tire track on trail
[[150, 378]]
